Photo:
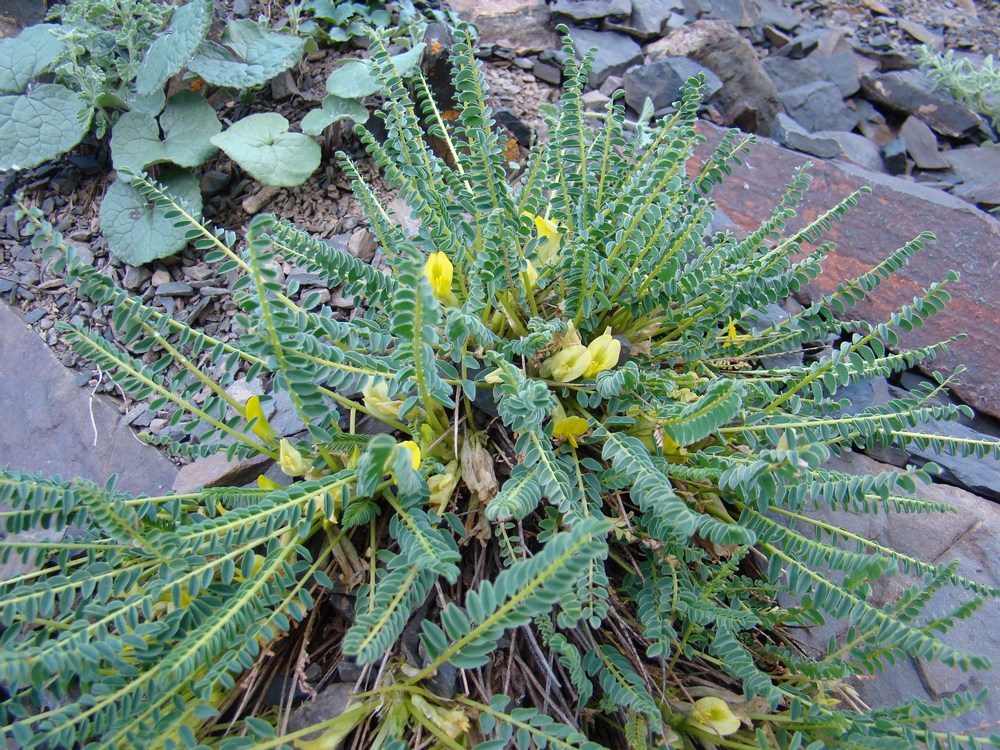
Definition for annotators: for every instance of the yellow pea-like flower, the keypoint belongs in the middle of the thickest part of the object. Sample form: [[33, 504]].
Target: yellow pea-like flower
[[442, 486], [714, 715], [414, 450], [439, 272], [547, 230], [567, 364], [261, 427], [531, 275], [569, 429], [377, 401], [604, 351], [290, 460], [266, 483]]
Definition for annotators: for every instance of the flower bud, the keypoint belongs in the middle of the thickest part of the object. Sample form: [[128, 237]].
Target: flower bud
[[439, 272], [261, 428]]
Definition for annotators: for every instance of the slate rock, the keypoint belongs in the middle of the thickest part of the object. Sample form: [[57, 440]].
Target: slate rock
[[975, 163], [972, 536], [778, 15], [748, 98], [742, 14], [521, 26], [217, 471], [329, 704], [800, 46], [912, 92], [283, 416], [979, 475], [661, 81], [48, 427], [894, 156], [841, 68], [789, 73], [968, 241], [590, 11], [855, 148], [921, 144], [984, 194], [818, 106], [547, 72], [615, 53], [175, 289], [649, 16], [788, 132]]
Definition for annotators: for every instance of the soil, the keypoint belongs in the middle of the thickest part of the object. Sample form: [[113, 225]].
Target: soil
[[69, 191]]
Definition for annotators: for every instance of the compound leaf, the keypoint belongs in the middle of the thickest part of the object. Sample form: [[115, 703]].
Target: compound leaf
[[262, 145], [248, 56], [170, 51], [138, 232]]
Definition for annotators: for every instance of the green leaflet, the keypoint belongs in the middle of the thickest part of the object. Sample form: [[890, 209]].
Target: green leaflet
[[521, 592]]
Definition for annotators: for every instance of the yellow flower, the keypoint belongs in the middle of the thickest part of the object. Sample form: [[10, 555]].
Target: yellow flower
[[548, 230], [414, 450], [442, 486], [569, 429], [567, 364], [452, 721], [604, 351], [714, 715], [377, 401], [261, 428], [290, 460], [531, 275], [439, 271], [732, 336], [268, 484]]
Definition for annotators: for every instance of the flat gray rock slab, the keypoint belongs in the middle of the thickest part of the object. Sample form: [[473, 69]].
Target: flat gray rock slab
[[52, 426], [972, 537]]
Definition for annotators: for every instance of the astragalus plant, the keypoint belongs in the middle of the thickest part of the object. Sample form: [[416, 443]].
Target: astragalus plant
[[552, 491]]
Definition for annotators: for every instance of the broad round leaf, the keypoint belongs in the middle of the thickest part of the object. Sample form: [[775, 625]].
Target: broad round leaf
[[352, 80], [262, 145], [41, 125], [135, 142], [171, 50], [138, 232], [355, 80], [189, 122], [248, 56], [25, 56], [333, 110]]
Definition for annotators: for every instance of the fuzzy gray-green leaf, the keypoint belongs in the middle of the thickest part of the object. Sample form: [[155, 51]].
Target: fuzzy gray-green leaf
[[137, 232], [25, 56], [248, 56], [262, 145], [40, 125], [170, 51]]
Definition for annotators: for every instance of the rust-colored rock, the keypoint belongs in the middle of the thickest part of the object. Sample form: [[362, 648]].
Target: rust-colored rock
[[968, 241]]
